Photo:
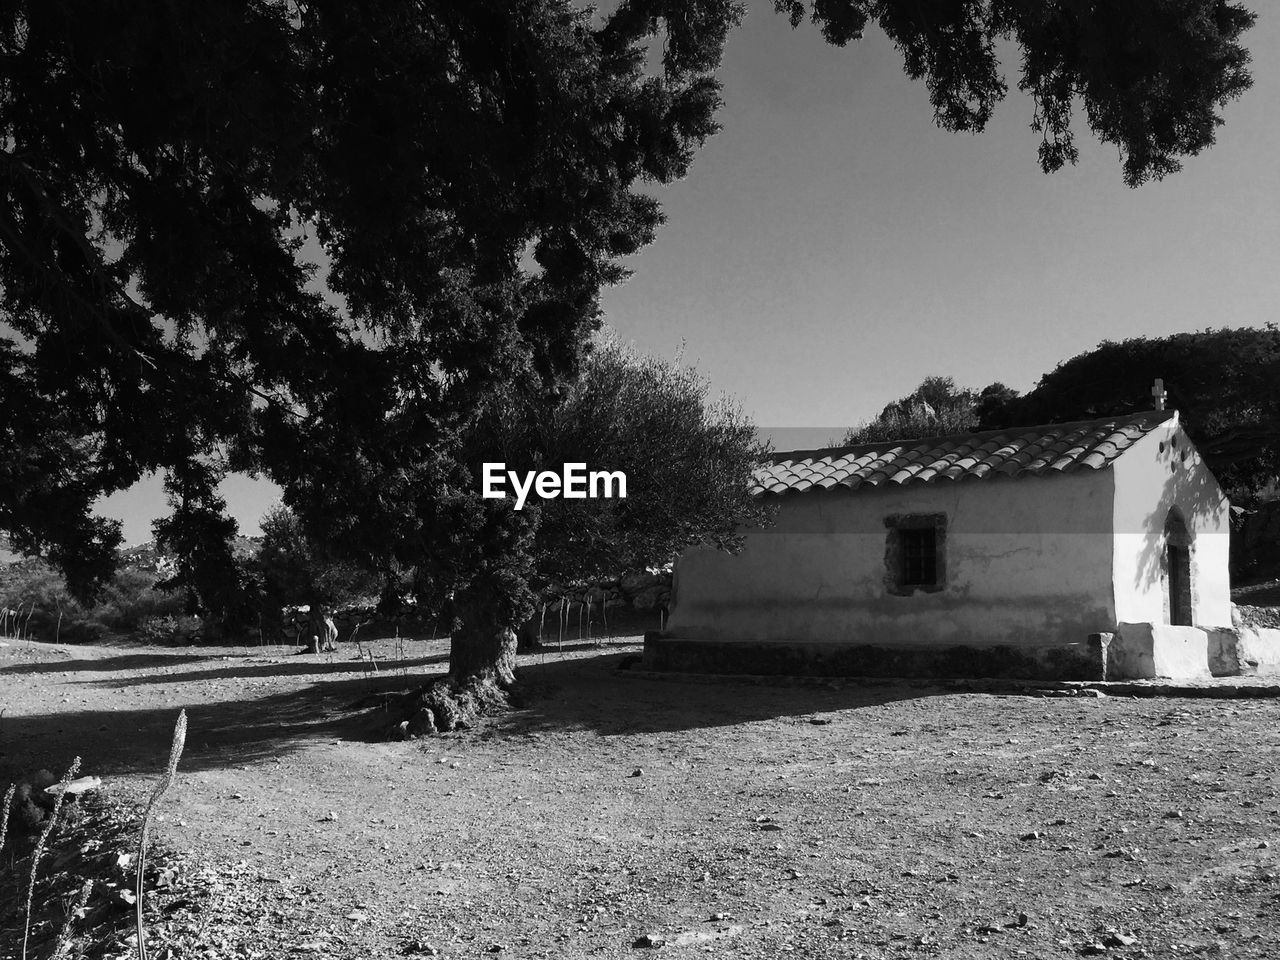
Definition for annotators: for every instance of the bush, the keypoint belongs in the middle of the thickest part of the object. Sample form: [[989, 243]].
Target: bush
[[129, 601], [82, 631], [169, 630], [132, 598]]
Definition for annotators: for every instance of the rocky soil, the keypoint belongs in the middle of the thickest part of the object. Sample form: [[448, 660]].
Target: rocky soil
[[620, 816]]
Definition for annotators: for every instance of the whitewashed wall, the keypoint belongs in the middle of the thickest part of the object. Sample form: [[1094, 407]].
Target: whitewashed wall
[[1159, 472], [1028, 563]]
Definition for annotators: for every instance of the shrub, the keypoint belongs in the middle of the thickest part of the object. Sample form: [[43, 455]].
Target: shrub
[[169, 630]]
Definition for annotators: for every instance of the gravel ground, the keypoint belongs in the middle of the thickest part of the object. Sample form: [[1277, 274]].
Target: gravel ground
[[615, 815]]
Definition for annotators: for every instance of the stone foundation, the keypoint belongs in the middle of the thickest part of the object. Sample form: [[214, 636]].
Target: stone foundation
[[1081, 661], [1246, 651], [1144, 651], [1135, 651]]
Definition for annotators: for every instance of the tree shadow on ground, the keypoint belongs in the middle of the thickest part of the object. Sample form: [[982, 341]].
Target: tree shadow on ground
[[221, 733], [232, 667], [582, 693], [128, 661], [274, 669], [594, 694]]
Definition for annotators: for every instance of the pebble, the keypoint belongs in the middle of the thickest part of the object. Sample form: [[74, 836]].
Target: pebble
[[1119, 940]]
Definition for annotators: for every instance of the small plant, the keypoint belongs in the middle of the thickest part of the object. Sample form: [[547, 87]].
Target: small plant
[[62, 948], [76, 906], [175, 754], [40, 844], [4, 813]]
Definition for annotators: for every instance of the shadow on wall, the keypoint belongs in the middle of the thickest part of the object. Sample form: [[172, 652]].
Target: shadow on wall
[[1189, 497]]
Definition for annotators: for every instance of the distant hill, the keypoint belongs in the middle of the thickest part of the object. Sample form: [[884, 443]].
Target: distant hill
[[142, 556], [34, 601], [149, 556]]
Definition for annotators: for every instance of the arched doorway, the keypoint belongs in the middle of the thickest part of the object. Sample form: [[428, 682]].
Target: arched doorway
[[1177, 541]]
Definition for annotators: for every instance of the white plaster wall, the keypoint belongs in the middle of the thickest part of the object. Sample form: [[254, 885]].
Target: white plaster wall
[[1028, 563], [1144, 651], [1159, 472]]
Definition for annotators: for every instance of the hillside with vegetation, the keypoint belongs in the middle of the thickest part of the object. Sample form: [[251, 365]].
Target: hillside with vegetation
[[138, 603]]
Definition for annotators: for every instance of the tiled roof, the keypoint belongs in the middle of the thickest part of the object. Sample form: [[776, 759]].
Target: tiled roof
[[1016, 452]]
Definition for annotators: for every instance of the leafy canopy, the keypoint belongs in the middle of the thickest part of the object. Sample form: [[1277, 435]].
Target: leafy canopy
[[470, 172], [294, 570], [687, 458], [1151, 75], [320, 239], [1222, 382], [935, 408]]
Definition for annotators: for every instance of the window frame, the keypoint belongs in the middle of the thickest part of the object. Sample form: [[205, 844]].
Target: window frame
[[896, 550]]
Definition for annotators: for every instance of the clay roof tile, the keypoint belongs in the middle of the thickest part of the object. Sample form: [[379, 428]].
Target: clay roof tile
[[1020, 452]]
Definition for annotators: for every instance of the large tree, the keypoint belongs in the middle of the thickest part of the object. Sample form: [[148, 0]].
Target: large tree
[[1222, 382], [687, 454], [198, 533], [468, 175]]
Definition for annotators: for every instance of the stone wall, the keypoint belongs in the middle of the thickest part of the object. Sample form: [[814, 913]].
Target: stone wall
[[1079, 661], [1135, 651], [640, 591]]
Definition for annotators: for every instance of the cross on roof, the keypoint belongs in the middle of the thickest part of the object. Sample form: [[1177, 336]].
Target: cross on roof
[[1158, 393]]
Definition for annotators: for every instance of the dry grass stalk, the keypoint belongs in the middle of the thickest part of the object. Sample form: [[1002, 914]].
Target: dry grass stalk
[[175, 754], [40, 845], [63, 947], [4, 814]]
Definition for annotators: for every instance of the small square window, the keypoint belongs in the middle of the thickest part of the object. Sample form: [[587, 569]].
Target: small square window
[[915, 553], [919, 557]]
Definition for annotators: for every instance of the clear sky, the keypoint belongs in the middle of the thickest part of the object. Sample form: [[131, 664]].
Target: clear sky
[[831, 247]]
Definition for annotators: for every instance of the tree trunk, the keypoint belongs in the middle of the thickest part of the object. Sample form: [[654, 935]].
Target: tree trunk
[[529, 636], [482, 667], [315, 628], [484, 645]]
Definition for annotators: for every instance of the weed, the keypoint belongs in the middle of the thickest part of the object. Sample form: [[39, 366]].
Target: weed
[[62, 948], [4, 814], [40, 845], [77, 906], [175, 754]]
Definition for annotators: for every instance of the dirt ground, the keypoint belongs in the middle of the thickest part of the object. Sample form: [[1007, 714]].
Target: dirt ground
[[724, 819]]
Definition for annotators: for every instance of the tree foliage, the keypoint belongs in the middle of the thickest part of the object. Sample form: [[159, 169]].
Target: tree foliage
[[37, 603], [215, 583], [687, 458], [295, 570], [1151, 75], [1222, 382], [469, 170], [321, 240], [935, 408]]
